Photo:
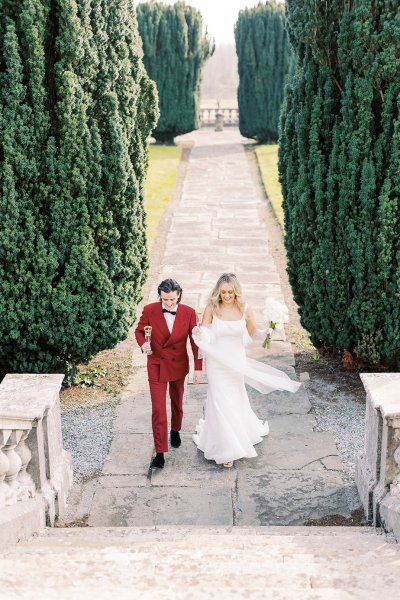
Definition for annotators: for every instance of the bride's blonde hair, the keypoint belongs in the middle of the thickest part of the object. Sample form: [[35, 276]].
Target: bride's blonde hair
[[215, 298]]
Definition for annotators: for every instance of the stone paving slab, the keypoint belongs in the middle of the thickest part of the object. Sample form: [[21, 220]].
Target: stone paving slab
[[284, 424], [290, 497], [293, 450], [136, 420], [332, 463], [134, 414], [191, 419], [161, 505], [279, 403], [80, 500], [130, 454], [123, 481], [186, 467], [251, 276]]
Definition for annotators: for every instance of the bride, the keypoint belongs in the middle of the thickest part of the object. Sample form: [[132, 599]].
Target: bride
[[231, 428]]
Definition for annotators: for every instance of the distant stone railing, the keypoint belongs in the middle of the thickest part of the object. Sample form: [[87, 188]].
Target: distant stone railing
[[378, 466], [229, 116], [35, 470]]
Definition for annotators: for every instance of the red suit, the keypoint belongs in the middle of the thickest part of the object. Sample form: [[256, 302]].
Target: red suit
[[168, 363]]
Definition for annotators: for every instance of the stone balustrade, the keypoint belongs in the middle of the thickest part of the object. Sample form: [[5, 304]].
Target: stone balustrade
[[35, 470], [378, 467], [228, 116]]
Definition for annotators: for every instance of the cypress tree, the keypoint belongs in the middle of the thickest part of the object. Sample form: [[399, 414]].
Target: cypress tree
[[27, 257], [264, 61], [339, 168], [174, 53], [73, 159]]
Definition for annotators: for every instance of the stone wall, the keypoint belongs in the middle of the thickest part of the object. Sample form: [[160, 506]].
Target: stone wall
[[378, 467], [35, 470]]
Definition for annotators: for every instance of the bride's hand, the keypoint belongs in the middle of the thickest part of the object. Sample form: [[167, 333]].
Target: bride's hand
[[196, 331], [197, 377]]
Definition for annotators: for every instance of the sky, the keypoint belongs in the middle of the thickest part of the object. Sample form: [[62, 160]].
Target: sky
[[219, 16]]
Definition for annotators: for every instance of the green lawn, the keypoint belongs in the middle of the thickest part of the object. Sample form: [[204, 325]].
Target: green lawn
[[267, 156], [160, 182]]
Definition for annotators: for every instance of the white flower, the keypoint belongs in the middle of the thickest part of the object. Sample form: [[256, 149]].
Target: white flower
[[275, 312]]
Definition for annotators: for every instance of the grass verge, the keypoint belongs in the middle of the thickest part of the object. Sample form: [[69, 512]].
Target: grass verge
[[160, 183], [267, 156]]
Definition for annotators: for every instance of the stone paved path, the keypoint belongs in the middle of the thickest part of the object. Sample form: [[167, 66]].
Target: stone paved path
[[218, 226]]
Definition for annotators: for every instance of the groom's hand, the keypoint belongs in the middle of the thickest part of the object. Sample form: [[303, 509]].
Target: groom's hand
[[146, 348], [197, 377]]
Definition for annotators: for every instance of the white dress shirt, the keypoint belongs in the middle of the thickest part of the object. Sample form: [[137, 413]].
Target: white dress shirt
[[170, 319]]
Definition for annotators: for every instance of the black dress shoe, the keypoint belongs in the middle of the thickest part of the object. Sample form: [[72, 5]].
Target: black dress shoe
[[158, 461], [175, 439]]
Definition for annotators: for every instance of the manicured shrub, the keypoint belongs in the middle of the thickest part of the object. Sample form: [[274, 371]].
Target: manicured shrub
[[76, 107], [340, 175], [264, 61], [175, 50]]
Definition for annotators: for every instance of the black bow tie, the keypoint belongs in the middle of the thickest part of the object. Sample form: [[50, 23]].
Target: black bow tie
[[170, 312]]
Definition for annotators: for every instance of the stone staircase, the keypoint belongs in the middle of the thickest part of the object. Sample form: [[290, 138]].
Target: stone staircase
[[277, 563]]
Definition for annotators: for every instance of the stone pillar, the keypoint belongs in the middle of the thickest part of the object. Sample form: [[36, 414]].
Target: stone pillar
[[35, 470], [378, 466], [219, 122]]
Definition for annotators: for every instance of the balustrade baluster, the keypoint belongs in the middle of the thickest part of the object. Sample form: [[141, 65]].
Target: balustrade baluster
[[27, 489], [14, 465], [5, 493]]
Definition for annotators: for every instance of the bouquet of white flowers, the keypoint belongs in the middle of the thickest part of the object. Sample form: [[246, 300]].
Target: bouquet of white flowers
[[274, 312]]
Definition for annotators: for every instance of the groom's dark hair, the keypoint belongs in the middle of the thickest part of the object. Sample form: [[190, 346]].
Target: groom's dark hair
[[170, 285]]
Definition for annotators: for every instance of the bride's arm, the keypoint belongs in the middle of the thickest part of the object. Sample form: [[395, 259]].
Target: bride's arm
[[207, 316], [206, 320], [254, 332]]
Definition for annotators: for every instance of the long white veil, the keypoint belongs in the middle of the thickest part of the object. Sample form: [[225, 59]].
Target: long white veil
[[258, 375]]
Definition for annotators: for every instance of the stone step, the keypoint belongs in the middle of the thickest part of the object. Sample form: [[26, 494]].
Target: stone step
[[312, 533], [277, 563]]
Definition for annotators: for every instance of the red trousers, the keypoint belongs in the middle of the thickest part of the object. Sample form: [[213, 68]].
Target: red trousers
[[158, 392]]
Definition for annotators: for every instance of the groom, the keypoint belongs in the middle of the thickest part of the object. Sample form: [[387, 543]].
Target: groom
[[167, 361]]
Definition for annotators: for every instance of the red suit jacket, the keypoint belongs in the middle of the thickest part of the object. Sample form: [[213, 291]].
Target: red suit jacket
[[169, 349]]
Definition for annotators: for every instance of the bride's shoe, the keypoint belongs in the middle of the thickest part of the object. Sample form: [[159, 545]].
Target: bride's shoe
[[228, 465]]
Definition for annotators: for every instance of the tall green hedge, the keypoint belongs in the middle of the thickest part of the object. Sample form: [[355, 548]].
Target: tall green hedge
[[174, 53], [340, 173], [76, 107], [264, 61]]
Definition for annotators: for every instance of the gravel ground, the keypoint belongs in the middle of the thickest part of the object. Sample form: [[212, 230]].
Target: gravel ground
[[343, 416], [87, 433]]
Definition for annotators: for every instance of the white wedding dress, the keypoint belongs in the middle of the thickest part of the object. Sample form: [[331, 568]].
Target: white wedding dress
[[231, 428]]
